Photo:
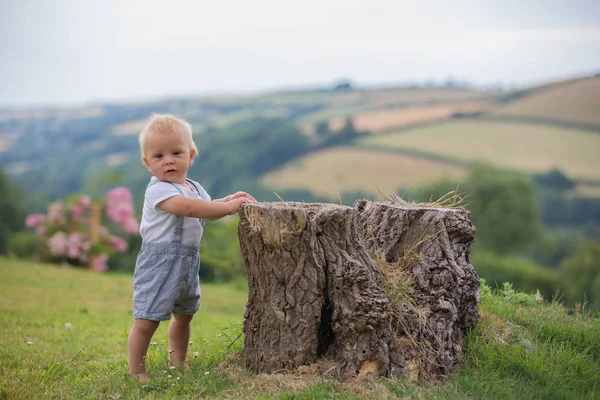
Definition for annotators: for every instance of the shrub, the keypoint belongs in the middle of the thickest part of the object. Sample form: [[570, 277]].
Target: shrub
[[23, 244], [581, 274], [523, 274], [71, 231]]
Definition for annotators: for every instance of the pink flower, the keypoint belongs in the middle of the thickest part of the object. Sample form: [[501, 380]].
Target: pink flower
[[99, 262], [119, 212], [118, 243], [58, 243], [76, 212], [73, 252], [85, 201], [119, 194], [119, 207], [131, 226], [33, 220], [76, 246]]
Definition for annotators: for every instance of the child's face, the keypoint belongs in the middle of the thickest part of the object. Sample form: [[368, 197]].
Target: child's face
[[168, 155]]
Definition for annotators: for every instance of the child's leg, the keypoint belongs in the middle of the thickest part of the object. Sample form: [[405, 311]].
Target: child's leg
[[179, 338], [138, 342]]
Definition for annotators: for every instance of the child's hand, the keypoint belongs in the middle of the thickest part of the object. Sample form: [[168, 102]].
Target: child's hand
[[237, 203], [242, 194]]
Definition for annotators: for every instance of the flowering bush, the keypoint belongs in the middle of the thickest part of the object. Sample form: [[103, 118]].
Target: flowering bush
[[71, 232]]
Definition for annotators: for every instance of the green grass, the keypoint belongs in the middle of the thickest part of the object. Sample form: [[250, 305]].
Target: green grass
[[521, 348]]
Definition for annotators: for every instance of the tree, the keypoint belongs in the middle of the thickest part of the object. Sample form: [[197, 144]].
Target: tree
[[504, 209], [322, 129], [12, 210], [581, 273], [503, 206]]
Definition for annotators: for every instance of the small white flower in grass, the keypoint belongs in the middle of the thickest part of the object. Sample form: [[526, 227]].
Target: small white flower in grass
[[29, 342], [164, 372], [207, 372], [178, 378], [191, 343], [153, 343], [538, 297], [169, 376], [172, 367], [68, 326], [196, 354]]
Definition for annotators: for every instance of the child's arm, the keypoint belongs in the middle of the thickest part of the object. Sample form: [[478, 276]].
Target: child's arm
[[235, 196], [199, 208]]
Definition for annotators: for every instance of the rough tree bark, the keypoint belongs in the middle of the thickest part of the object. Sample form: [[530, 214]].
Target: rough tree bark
[[430, 248], [319, 288]]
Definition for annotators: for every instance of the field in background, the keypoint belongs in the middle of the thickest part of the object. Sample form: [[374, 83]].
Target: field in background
[[526, 147], [333, 171], [349, 104], [383, 120], [576, 102], [556, 125]]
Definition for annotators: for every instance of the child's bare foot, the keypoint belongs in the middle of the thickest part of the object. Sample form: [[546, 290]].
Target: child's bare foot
[[141, 377]]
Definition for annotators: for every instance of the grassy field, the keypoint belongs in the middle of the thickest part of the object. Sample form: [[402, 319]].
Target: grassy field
[[577, 102], [384, 120], [333, 171], [357, 101], [521, 348], [533, 148]]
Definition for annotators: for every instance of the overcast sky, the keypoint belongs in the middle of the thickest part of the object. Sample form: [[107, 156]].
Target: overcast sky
[[73, 52]]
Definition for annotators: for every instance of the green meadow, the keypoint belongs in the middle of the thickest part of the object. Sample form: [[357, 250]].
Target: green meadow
[[63, 335]]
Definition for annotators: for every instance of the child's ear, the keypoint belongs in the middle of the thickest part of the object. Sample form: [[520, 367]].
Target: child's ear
[[146, 163], [192, 155]]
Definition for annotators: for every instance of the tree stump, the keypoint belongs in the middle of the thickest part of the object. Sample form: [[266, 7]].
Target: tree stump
[[321, 285], [426, 255]]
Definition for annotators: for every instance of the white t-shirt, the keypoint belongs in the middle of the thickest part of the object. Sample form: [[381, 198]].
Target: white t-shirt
[[158, 225]]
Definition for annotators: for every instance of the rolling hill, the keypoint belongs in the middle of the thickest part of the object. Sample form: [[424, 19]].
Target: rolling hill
[[554, 126], [575, 103], [410, 136]]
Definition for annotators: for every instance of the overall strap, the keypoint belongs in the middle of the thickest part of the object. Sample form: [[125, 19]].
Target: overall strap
[[178, 233]]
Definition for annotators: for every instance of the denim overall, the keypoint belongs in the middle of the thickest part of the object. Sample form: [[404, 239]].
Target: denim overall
[[165, 280]]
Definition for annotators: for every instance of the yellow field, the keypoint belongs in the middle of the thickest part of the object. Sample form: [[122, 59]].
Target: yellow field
[[577, 102], [331, 172], [511, 145], [384, 120]]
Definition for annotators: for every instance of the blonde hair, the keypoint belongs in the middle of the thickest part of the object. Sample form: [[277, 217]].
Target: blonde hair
[[166, 124]]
